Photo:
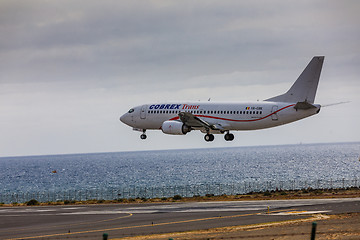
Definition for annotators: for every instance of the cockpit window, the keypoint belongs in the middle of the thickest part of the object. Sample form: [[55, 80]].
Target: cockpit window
[[131, 110]]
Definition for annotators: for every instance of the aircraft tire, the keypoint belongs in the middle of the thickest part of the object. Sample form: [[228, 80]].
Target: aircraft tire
[[143, 136], [229, 137], [209, 137]]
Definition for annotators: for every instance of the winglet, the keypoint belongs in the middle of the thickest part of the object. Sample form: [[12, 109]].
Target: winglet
[[304, 88]]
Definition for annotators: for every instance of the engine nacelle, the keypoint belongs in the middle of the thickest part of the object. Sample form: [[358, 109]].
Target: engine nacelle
[[175, 128]]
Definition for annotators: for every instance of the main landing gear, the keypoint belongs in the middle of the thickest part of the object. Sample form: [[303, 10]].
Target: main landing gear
[[229, 137], [209, 137], [143, 136]]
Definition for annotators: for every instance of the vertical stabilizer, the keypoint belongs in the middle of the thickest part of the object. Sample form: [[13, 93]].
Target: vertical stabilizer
[[304, 88]]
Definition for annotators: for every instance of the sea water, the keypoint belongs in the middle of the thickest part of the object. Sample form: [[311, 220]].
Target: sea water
[[303, 162]]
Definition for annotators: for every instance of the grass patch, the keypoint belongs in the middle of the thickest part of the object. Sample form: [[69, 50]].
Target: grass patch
[[177, 197], [267, 194], [32, 202]]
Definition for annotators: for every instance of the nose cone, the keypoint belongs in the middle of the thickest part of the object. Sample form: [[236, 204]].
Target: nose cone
[[128, 118], [125, 118]]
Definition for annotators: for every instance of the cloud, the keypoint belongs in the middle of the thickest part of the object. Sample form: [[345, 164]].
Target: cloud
[[70, 63]]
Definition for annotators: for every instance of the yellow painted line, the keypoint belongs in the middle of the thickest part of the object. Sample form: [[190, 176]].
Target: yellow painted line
[[105, 220], [77, 224], [295, 212], [139, 226], [221, 230]]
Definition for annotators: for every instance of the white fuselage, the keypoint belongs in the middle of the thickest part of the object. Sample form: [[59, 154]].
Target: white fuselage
[[231, 116], [179, 118]]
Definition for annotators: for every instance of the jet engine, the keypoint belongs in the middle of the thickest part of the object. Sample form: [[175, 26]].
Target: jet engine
[[175, 128]]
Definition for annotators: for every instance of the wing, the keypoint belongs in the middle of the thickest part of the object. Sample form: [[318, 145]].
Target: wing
[[191, 120]]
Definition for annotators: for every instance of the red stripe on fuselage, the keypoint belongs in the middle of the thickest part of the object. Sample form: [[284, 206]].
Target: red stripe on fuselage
[[234, 120]]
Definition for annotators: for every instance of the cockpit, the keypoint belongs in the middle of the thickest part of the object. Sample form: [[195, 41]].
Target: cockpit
[[131, 110]]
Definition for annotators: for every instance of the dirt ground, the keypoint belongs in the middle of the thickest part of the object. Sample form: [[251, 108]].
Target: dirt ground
[[344, 226]]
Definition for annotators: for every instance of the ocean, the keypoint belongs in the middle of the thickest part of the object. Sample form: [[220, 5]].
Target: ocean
[[303, 162]]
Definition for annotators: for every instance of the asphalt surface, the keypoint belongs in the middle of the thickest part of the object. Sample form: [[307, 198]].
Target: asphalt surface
[[121, 220]]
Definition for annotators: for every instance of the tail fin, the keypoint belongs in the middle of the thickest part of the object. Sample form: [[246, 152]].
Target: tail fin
[[304, 88]]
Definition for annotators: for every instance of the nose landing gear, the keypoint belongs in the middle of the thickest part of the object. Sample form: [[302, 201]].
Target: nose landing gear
[[143, 136]]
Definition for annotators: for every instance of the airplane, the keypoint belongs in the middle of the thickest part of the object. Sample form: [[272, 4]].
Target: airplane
[[180, 118]]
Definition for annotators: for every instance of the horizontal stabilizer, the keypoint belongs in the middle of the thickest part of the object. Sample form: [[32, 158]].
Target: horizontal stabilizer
[[303, 105]]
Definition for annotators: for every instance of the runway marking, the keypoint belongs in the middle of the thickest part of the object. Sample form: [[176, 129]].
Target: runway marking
[[145, 225], [299, 213], [220, 230], [76, 224]]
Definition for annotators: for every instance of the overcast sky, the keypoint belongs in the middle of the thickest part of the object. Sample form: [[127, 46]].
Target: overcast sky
[[69, 69]]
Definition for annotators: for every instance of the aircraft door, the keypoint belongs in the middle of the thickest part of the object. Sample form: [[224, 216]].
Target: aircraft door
[[274, 115], [143, 112]]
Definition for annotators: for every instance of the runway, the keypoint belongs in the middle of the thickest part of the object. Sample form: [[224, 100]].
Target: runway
[[121, 220]]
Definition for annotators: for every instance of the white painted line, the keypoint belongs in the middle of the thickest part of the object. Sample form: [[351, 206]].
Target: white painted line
[[298, 213]]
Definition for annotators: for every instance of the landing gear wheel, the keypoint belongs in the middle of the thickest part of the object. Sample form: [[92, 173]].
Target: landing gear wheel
[[209, 137], [229, 137], [143, 136]]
